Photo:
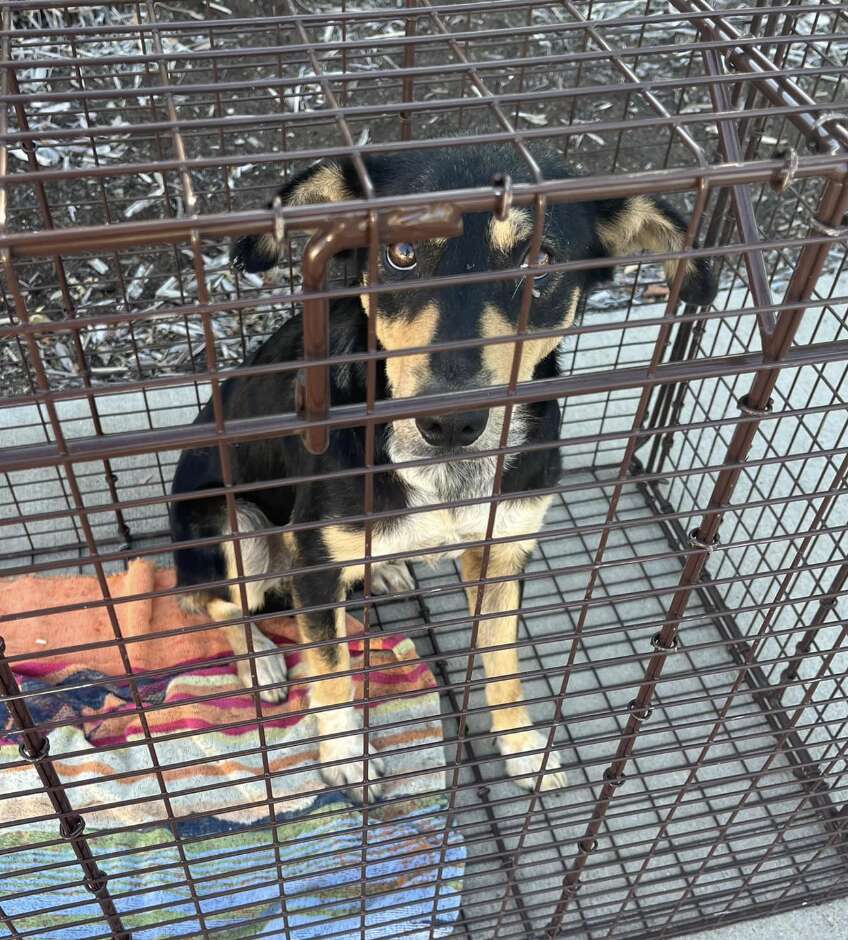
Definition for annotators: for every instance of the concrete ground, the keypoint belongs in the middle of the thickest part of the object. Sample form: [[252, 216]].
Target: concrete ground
[[827, 920]]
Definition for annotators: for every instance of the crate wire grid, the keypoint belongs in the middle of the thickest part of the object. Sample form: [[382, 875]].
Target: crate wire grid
[[728, 802]]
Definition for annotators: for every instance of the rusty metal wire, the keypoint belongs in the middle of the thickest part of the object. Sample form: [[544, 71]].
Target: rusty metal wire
[[682, 627]]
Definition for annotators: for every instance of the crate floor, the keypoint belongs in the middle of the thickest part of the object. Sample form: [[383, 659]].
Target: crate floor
[[658, 868]]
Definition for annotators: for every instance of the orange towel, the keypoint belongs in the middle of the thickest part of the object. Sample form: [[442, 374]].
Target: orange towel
[[34, 629]]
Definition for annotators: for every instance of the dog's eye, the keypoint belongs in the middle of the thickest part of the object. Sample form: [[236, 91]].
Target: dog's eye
[[543, 257], [401, 256]]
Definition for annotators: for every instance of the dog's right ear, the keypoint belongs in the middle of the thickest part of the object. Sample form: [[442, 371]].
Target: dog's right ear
[[644, 223], [327, 181]]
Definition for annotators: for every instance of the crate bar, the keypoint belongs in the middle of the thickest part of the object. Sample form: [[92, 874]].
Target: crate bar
[[35, 748], [308, 218], [743, 208], [714, 27], [768, 697], [70, 311], [612, 779]]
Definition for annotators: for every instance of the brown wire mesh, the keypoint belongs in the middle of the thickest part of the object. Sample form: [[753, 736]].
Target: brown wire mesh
[[682, 621]]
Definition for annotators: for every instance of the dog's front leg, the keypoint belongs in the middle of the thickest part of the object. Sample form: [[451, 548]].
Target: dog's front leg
[[510, 720], [341, 750]]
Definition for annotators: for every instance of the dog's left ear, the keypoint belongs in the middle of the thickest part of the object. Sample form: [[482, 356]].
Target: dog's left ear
[[327, 181], [626, 226]]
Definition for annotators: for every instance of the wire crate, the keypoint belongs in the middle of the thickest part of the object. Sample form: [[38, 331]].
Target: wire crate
[[681, 629]]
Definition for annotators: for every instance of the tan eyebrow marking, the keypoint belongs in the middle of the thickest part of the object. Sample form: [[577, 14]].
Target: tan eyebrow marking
[[505, 235]]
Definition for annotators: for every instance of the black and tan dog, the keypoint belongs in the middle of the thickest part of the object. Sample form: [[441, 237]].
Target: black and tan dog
[[404, 319]]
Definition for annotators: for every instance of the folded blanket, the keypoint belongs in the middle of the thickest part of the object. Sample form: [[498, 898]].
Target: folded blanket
[[214, 781]]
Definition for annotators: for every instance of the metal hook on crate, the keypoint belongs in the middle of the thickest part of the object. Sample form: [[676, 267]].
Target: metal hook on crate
[[96, 884], [279, 231], [817, 225], [72, 831], [786, 174], [612, 779], [570, 889], [502, 184], [728, 53], [831, 231], [661, 647], [752, 412], [37, 756], [640, 714], [827, 116], [695, 541]]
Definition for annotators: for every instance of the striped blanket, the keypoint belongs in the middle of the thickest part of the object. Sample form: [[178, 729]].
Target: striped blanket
[[189, 846]]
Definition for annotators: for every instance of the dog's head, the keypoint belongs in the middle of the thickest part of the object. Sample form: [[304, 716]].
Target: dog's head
[[461, 309]]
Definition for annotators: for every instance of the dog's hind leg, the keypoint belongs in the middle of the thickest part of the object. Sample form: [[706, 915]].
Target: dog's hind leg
[[519, 742], [262, 554]]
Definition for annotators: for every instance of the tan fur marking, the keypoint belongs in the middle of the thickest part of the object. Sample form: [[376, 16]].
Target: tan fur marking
[[366, 299], [407, 374], [260, 555], [236, 635], [327, 184], [194, 603], [327, 686], [640, 225], [497, 357], [505, 235], [267, 246], [504, 698], [343, 546], [346, 544], [571, 309]]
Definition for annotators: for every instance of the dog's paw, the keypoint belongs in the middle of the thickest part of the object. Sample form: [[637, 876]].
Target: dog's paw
[[270, 670], [392, 577], [524, 767], [342, 766]]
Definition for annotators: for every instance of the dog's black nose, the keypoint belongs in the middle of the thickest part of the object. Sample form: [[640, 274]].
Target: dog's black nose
[[456, 430]]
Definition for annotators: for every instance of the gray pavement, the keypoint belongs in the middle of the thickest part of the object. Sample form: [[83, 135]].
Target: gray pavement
[[826, 920]]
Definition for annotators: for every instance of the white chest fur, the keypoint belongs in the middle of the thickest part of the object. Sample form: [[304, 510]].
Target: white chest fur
[[452, 530], [430, 535]]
